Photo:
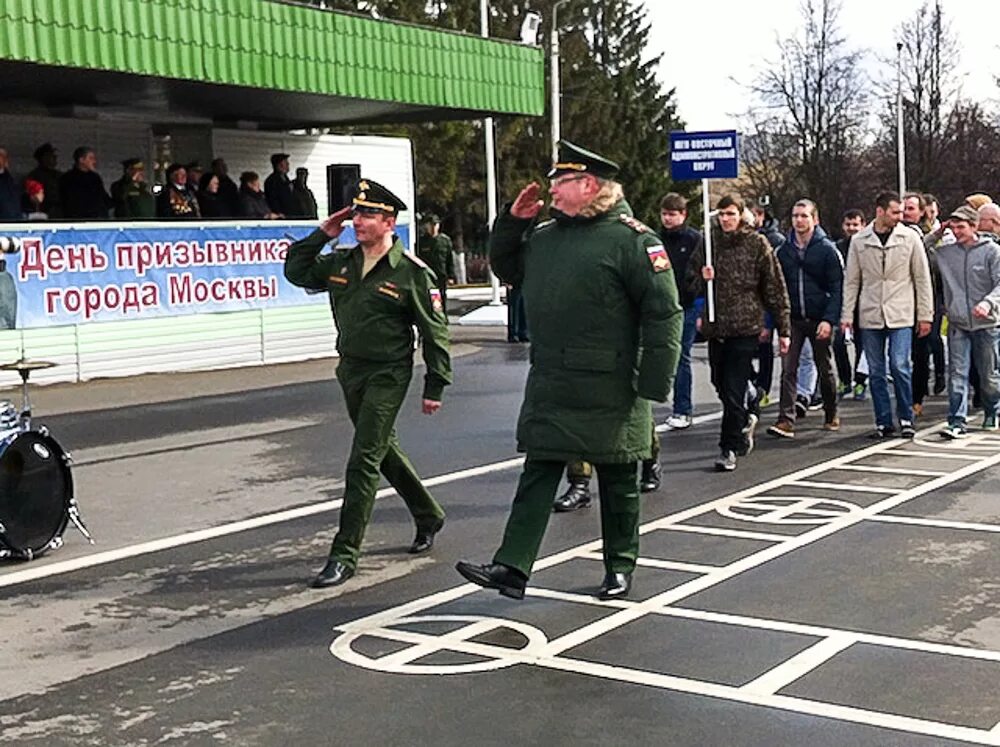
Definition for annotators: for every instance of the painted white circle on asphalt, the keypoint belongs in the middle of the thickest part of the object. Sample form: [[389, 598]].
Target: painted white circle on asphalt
[[790, 509]]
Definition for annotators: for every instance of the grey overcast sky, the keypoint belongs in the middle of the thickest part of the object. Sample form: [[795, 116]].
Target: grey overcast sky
[[707, 44]]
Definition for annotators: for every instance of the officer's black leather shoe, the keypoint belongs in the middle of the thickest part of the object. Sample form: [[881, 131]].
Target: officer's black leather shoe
[[334, 573], [424, 540], [497, 576], [615, 586], [651, 474], [577, 496]]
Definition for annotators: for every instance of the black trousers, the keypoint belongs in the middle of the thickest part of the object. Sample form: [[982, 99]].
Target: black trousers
[[731, 362], [924, 350]]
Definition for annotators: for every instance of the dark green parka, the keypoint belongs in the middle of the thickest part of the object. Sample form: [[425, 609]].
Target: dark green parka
[[605, 326]]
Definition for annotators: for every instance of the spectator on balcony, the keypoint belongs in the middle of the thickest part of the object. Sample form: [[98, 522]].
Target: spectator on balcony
[[278, 187], [303, 199], [10, 193], [253, 203], [209, 199], [81, 189], [229, 193], [34, 198], [46, 174], [131, 193], [176, 200]]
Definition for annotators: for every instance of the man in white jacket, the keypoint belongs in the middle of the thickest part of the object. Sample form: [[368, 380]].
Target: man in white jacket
[[888, 279]]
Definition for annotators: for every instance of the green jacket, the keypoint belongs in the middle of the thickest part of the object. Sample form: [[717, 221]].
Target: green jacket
[[605, 324], [436, 251], [133, 199], [375, 315]]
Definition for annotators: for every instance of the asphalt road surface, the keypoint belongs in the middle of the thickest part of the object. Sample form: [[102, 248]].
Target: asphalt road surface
[[831, 591]]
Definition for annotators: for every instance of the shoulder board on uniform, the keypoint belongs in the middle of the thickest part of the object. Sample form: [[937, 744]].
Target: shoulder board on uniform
[[412, 256], [635, 224]]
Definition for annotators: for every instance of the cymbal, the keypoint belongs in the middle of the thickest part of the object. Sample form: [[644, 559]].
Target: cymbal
[[26, 365]]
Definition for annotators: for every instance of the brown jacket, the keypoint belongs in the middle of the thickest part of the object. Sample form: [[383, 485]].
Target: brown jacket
[[890, 285], [748, 283]]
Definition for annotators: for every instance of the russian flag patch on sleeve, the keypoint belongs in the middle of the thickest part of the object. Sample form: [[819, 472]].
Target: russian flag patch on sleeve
[[658, 256]]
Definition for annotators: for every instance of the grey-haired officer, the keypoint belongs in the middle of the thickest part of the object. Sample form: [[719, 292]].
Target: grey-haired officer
[[605, 340], [378, 293]]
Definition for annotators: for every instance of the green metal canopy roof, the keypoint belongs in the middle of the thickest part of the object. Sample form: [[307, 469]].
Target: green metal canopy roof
[[211, 58]]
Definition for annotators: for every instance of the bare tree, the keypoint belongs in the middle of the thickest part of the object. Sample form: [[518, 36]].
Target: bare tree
[[810, 115], [930, 57]]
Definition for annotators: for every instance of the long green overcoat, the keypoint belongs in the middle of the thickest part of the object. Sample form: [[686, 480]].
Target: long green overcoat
[[605, 328]]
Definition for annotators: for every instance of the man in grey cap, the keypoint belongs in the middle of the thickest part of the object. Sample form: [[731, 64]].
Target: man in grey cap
[[970, 277]]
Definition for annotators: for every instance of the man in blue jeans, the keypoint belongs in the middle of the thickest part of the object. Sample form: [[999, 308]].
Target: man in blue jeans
[[888, 279], [679, 239], [970, 279]]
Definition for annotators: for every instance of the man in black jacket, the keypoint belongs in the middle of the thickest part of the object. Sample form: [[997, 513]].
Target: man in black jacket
[[680, 241], [82, 189], [815, 277]]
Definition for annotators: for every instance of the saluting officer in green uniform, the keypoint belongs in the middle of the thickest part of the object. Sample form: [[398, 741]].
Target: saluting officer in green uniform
[[435, 248], [378, 293], [605, 340]]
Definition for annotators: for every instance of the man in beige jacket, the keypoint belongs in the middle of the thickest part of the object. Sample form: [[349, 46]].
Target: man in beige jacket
[[888, 278]]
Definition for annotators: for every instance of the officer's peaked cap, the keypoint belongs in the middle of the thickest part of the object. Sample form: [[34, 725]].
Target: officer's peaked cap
[[576, 160], [372, 197]]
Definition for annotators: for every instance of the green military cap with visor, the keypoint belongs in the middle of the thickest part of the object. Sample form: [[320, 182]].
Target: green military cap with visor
[[576, 160], [372, 197]]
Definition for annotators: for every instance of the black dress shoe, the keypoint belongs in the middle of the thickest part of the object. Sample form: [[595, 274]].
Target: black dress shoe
[[497, 576], [334, 573], [651, 475], [424, 540], [615, 586], [577, 496]]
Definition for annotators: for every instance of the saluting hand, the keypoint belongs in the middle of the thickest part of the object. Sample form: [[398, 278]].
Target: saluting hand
[[528, 203], [334, 225], [431, 406]]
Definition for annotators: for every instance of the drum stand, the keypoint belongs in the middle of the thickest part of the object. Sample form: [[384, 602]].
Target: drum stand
[[24, 367]]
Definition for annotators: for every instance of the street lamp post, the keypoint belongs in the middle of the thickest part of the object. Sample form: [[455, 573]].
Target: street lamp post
[[554, 75], [900, 133], [491, 166]]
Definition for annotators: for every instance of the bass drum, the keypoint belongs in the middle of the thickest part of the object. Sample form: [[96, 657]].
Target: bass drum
[[36, 494]]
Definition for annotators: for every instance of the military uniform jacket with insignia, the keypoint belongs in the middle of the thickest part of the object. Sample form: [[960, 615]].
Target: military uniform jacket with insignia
[[375, 315], [605, 325], [436, 251]]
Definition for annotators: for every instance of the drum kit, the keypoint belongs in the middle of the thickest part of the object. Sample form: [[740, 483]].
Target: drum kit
[[36, 486]]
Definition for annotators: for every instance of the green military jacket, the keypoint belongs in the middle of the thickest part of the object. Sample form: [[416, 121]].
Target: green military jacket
[[436, 251], [605, 326], [375, 315], [133, 199]]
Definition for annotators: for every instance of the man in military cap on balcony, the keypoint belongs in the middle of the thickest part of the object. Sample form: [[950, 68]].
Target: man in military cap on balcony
[[605, 340], [378, 293]]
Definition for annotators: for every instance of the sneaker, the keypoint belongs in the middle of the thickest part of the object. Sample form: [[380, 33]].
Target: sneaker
[[918, 409], [882, 431], [906, 429], [860, 392], [782, 429], [726, 461], [843, 391], [832, 424], [678, 422], [801, 406], [748, 435], [816, 403], [954, 432], [765, 400], [990, 423], [939, 387]]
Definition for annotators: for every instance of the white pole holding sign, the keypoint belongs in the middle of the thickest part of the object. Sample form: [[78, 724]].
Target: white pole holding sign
[[709, 285], [704, 156]]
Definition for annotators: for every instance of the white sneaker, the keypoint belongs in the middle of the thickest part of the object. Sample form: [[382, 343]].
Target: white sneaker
[[678, 422]]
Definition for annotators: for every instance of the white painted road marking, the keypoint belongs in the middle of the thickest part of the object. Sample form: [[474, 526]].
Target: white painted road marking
[[763, 690]]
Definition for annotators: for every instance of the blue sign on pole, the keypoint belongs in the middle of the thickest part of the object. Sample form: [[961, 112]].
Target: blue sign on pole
[[703, 155]]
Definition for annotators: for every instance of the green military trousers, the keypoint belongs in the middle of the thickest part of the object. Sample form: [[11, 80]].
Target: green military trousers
[[374, 392], [582, 471], [619, 490]]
